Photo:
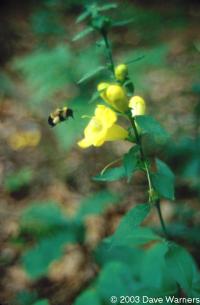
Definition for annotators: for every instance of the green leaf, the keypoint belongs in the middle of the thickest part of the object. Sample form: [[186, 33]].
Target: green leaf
[[152, 127], [41, 302], [97, 204], [153, 263], [91, 74], [129, 233], [123, 22], [83, 16], [130, 162], [41, 217], [26, 297], [163, 180], [107, 7], [111, 174], [182, 268], [15, 181], [134, 60], [94, 97], [82, 34], [37, 260], [89, 297], [130, 256], [115, 280]]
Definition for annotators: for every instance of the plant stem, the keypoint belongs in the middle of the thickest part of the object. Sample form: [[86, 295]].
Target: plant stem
[[152, 201], [109, 51], [157, 205]]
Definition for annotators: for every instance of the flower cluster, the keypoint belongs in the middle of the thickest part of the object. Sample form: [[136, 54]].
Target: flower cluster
[[102, 127]]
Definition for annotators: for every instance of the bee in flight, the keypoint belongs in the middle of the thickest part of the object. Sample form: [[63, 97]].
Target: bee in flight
[[59, 115]]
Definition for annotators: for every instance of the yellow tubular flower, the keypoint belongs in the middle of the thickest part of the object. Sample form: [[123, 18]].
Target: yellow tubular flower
[[102, 128], [121, 72], [137, 105]]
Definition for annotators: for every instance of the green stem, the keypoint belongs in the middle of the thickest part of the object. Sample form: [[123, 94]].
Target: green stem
[[138, 141], [157, 205], [109, 51], [151, 200]]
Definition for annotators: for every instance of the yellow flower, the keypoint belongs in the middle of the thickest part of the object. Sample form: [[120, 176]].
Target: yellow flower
[[102, 128], [137, 105], [114, 95], [121, 72], [23, 139]]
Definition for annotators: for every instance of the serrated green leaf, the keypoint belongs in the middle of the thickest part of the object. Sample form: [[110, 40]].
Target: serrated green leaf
[[111, 174], [151, 126], [163, 180], [89, 297], [130, 162], [182, 268], [97, 204], [82, 34], [83, 16], [91, 74]]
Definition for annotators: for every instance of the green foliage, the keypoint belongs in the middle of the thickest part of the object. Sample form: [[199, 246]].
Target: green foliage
[[130, 162], [89, 297], [129, 233], [46, 23], [183, 270], [37, 260], [17, 180], [111, 174], [25, 297], [82, 34], [152, 127], [91, 74], [163, 180], [39, 218], [97, 204], [46, 71], [115, 279], [52, 231], [154, 263], [42, 302]]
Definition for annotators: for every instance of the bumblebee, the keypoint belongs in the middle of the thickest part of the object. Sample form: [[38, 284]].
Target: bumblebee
[[59, 115]]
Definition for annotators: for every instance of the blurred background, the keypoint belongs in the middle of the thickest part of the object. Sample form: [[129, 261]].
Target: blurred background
[[45, 177]]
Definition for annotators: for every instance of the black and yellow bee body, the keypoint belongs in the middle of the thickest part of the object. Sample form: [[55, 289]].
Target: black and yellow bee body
[[59, 115]]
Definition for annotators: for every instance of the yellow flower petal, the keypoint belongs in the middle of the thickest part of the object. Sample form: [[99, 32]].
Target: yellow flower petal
[[84, 143], [116, 132], [105, 115]]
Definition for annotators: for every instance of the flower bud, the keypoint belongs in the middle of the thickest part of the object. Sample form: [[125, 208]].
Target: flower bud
[[137, 105], [116, 97], [121, 72], [101, 88]]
